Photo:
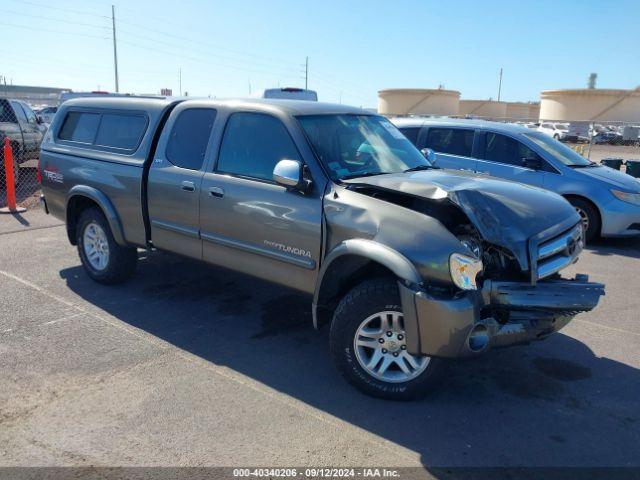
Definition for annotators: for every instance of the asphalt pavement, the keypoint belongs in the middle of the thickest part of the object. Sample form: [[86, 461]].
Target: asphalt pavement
[[191, 365]]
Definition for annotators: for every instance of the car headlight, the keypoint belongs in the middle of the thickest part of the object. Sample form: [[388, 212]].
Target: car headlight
[[633, 198], [464, 271]]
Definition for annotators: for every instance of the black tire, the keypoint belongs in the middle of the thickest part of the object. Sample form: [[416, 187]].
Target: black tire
[[122, 260], [361, 302], [556, 136], [593, 217]]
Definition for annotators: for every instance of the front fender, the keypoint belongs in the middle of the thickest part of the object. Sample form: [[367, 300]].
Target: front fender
[[369, 250], [105, 205]]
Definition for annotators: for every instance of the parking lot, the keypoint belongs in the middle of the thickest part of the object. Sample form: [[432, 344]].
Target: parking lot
[[190, 365]]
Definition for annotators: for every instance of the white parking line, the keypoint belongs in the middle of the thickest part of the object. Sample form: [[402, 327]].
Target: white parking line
[[615, 329], [68, 317], [230, 374]]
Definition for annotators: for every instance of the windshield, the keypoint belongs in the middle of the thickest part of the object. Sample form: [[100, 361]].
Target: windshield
[[560, 126], [558, 150], [351, 146]]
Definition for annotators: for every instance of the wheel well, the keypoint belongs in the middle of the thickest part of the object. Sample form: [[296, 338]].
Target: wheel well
[[341, 276], [75, 207], [585, 199]]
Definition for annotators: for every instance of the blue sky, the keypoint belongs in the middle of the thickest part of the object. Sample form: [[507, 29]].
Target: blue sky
[[355, 48]]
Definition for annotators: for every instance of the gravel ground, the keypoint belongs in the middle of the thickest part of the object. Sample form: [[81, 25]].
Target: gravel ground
[[188, 365]]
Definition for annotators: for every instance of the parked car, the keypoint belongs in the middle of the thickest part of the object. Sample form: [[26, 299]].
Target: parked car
[[607, 200], [606, 136], [20, 125], [46, 114], [556, 130], [409, 264]]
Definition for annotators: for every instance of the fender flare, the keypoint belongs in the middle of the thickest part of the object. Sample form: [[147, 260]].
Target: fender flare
[[371, 250], [105, 205]]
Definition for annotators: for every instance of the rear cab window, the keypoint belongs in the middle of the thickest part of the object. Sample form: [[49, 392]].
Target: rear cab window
[[189, 137], [452, 141], [120, 132]]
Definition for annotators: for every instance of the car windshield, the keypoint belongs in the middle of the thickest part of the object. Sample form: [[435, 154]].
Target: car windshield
[[351, 146], [558, 150], [559, 126]]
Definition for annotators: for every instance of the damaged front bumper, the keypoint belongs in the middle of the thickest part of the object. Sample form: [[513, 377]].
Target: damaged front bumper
[[501, 314]]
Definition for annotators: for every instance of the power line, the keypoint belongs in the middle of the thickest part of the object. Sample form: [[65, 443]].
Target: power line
[[194, 59], [262, 64], [61, 9], [30, 27], [261, 58], [243, 63], [68, 22]]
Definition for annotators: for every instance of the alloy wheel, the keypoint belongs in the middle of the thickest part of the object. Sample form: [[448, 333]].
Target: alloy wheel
[[381, 349], [96, 246]]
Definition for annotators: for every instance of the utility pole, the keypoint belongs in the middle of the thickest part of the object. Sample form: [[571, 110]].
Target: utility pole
[[306, 74], [499, 83], [115, 49]]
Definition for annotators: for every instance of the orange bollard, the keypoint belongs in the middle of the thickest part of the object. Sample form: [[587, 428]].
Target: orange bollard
[[10, 180]]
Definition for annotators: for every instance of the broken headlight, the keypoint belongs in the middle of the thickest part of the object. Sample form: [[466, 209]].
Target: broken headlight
[[464, 270]]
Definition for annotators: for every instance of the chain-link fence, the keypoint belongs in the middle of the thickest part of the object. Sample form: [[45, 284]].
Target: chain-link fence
[[21, 133]]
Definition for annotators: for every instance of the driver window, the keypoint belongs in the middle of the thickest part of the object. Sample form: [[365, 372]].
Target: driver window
[[253, 144], [503, 149]]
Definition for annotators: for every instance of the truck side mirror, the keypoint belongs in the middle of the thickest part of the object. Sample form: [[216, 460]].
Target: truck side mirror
[[429, 155], [290, 174]]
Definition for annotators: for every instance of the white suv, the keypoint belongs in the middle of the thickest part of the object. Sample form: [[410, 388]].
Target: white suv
[[556, 130]]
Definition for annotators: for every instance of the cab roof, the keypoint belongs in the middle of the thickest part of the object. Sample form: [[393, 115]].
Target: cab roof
[[289, 107]]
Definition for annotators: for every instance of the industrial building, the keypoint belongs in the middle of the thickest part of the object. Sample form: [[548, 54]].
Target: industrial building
[[599, 105], [416, 101], [40, 96]]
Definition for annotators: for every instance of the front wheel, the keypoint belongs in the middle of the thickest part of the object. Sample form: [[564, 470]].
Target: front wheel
[[102, 258], [589, 217], [368, 345]]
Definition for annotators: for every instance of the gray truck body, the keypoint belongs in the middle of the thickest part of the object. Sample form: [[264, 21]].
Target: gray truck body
[[20, 125], [324, 240]]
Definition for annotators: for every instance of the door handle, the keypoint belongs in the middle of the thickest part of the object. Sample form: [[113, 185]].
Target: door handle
[[216, 192], [188, 186]]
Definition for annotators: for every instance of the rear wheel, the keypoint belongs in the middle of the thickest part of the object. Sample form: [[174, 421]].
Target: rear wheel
[[102, 258], [589, 216], [368, 345]]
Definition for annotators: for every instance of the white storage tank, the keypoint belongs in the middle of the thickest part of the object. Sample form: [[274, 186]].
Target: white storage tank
[[519, 111], [599, 105], [483, 108], [418, 101]]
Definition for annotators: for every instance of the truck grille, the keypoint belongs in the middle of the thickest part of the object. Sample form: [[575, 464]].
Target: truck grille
[[557, 253]]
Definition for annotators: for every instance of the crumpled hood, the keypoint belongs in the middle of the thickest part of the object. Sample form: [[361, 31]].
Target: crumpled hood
[[505, 213], [612, 176]]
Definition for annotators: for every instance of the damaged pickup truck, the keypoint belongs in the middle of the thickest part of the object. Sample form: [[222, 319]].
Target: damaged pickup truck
[[409, 265]]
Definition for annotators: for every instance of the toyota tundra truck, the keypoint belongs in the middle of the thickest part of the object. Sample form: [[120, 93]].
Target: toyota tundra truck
[[407, 264]]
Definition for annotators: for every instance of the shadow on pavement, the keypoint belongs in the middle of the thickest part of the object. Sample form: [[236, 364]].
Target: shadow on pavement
[[554, 403], [627, 247]]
